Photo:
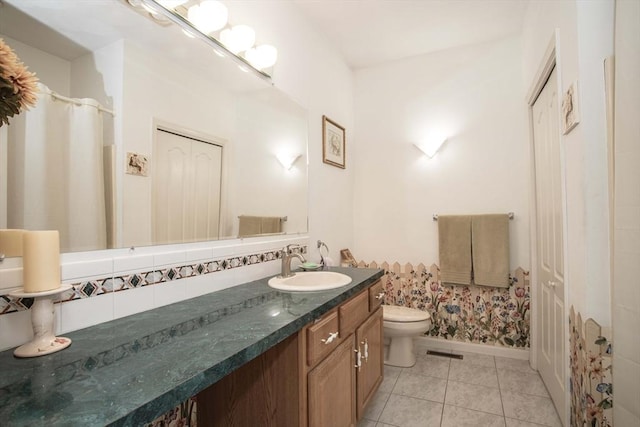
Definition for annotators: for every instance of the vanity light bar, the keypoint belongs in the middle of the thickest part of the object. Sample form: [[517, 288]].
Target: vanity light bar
[[211, 41]]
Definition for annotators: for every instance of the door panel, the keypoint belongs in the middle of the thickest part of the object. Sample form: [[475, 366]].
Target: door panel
[[369, 340], [186, 189], [331, 385], [550, 243]]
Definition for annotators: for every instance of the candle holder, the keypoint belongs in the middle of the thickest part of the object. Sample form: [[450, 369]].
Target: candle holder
[[44, 340]]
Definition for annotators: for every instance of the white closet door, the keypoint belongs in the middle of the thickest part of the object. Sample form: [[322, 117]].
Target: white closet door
[[206, 163], [551, 352], [186, 189]]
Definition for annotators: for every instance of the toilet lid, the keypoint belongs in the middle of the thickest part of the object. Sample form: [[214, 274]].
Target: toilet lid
[[395, 313]]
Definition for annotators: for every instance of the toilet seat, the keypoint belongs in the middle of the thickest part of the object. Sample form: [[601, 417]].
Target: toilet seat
[[394, 313]]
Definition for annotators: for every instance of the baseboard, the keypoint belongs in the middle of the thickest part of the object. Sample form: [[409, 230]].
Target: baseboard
[[422, 344]]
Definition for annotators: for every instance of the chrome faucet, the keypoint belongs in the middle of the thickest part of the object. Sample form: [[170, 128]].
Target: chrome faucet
[[287, 255]]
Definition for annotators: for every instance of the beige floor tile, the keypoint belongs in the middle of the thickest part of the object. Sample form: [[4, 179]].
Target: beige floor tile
[[475, 359], [522, 382], [514, 364], [473, 374], [391, 374], [366, 423], [431, 366], [476, 397], [420, 386], [526, 407], [406, 411], [511, 422], [375, 407], [455, 416]]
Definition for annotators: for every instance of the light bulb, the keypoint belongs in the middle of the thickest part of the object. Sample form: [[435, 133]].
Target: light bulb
[[208, 16], [239, 38], [171, 4], [263, 56]]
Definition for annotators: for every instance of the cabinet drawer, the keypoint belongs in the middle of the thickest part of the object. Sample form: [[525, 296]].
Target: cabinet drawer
[[319, 337], [376, 296], [353, 313]]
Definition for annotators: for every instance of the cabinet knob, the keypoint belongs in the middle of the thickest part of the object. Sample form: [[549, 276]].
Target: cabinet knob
[[380, 295], [332, 336]]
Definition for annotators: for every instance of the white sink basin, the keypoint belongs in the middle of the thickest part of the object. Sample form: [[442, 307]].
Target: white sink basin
[[310, 281]]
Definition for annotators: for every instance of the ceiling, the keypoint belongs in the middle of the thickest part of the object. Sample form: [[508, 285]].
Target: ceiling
[[372, 32]]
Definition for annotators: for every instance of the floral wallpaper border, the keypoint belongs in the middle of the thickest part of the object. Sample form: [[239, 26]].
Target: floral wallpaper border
[[103, 285], [476, 314], [590, 385]]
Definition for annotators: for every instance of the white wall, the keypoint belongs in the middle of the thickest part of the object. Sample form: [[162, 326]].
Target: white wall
[[51, 70], [585, 39], [313, 74], [262, 132], [473, 95], [626, 289]]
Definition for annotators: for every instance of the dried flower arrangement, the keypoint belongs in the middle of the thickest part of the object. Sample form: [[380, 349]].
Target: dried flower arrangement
[[17, 85]]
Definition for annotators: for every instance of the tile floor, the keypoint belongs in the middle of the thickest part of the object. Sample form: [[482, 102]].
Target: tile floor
[[478, 391]]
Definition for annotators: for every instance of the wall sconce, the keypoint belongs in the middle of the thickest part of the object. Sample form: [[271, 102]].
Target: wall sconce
[[287, 160], [431, 147], [203, 19]]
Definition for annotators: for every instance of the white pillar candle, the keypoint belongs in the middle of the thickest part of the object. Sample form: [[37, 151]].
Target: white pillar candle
[[41, 261], [11, 242]]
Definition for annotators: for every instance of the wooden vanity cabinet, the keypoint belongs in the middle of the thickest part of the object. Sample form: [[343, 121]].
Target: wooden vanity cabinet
[[311, 379], [331, 395]]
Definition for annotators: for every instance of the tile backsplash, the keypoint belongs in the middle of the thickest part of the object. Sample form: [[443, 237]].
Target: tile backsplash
[[107, 287]]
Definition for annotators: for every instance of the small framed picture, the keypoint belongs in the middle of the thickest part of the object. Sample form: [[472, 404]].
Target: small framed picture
[[333, 143], [137, 164], [570, 108], [347, 258]]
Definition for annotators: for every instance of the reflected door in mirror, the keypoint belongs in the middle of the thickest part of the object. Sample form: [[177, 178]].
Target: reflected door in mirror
[[186, 189]]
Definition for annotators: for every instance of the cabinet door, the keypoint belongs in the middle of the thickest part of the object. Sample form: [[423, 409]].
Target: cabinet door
[[331, 388], [369, 377]]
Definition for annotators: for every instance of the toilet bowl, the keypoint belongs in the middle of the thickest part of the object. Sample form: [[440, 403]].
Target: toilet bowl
[[401, 325]]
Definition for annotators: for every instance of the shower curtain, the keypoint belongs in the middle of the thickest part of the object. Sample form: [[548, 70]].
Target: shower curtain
[[55, 178]]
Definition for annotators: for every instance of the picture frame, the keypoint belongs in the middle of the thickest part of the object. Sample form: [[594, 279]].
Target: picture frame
[[333, 143], [347, 258], [570, 108]]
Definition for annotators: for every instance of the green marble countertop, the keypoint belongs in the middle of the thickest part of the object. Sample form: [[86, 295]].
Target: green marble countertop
[[129, 371]]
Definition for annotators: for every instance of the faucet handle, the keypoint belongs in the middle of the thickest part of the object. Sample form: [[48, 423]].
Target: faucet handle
[[288, 250]]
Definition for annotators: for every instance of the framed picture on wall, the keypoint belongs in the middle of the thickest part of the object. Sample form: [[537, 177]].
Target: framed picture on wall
[[333, 143]]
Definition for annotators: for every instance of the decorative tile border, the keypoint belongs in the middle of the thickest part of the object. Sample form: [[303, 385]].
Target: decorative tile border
[[104, 285], [476, 314], [591, 386]]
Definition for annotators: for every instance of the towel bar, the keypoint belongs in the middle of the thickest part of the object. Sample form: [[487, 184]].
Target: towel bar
[[510, 214], [282, 218]]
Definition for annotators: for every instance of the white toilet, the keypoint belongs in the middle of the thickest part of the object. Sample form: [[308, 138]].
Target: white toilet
[[401, 325]]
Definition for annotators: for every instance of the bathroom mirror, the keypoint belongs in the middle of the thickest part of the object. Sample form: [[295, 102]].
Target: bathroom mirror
[[146, 137]]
